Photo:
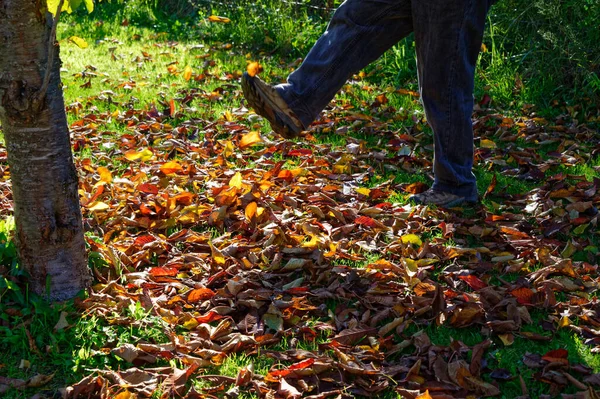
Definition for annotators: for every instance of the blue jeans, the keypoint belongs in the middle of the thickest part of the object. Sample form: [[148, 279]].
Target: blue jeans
[[448, 36]]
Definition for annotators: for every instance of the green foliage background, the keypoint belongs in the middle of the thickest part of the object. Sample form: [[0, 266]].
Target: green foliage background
[[551, 46]]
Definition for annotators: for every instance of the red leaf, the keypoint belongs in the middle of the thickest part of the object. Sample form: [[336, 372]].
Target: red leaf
[[556, 354], [523, 295], [297, 290], [302, 365], [148, 188], [473, 281], [300, 152], [296, 366], [208, 317], [365, 221], [163, 272], [143, 240]]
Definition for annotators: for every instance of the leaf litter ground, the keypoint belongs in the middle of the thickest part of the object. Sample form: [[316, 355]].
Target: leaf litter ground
[[303, 261]]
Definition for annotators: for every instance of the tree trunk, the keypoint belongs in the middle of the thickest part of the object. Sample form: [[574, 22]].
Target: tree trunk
[[49, 231]]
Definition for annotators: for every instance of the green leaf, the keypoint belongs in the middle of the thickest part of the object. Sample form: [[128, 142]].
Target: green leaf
[[273, 321], [72, 5]]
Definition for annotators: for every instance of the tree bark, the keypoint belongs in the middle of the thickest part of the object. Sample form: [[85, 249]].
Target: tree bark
[[49, 231]]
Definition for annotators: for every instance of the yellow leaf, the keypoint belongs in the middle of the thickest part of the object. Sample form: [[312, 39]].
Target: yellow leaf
[[298, 172], [217, 255], [228, 150], [236, 181], [171, 167], [254, 69], [215, 18], [363, 191], [105, 175], [250, 139], [507, 339], [99, 206], [411, 239], [144, 155], [187, 73], [411, 267], [228, 116], [564, 322], [485, 143], [190, 324], [81, 43], [251, 210]]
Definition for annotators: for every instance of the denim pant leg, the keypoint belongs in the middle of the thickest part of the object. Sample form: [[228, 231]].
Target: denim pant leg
[[359, 32], [448, 36]]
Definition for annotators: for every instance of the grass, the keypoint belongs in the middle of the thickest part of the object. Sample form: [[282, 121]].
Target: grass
[[116, 58]]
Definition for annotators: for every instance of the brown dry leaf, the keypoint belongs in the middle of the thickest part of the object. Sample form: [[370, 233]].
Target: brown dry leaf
[[286, 391]]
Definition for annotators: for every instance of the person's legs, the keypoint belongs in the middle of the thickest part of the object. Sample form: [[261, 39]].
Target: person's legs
[[360, 31], [448, 36]]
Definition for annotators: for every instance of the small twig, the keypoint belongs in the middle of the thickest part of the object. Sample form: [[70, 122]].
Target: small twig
[[51, 51]]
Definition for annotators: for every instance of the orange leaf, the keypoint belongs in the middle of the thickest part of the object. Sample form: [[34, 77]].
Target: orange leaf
[[163, 272], [105, 175], [184, 198], [170, 167], [513, 232], [200, 294], [523, 295], [424, 288], [491, 187], [425, 395], [285, 175], [172, 107], [123, 395], [250, 139], [416, 188], [254, 69], [251, 210]]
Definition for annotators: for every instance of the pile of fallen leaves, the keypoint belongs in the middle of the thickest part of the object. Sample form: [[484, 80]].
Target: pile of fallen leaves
[[238, 241]]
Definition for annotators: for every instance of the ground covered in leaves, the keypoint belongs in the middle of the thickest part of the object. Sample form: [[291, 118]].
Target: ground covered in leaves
[[232, 263]]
